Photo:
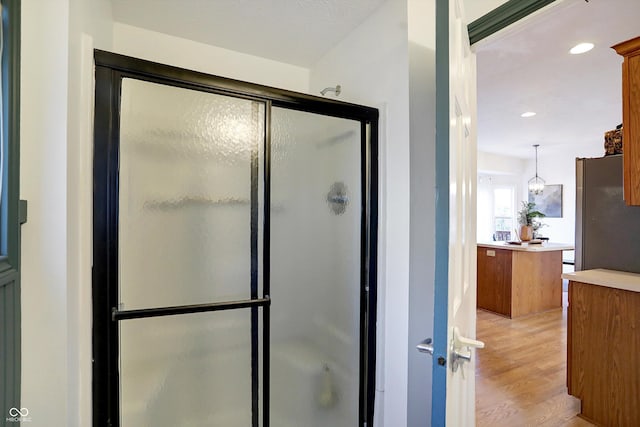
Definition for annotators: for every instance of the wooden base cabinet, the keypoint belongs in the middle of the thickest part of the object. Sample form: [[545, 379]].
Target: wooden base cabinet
[[515, 283], [494, 280], [603, 353]]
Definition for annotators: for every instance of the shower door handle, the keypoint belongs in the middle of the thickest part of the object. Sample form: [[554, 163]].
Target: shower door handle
[[425, 346]]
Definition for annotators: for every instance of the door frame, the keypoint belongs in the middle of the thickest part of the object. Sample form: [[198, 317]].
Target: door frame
[[503, 16], [508, 13], [110, 69]]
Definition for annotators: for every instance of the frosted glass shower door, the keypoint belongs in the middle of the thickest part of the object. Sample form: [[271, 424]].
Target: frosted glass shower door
[[188, 236], [234, 252], [316, 261]]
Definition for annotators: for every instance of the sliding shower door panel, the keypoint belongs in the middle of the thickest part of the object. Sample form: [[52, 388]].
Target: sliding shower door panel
[[316, 214], [185, 225], [188, 235], [189, 370]]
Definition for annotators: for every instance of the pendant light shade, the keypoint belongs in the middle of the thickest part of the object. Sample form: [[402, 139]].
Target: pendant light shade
[[536, 184]]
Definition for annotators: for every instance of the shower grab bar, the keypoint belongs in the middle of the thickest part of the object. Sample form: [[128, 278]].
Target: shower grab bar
[[117, 315]]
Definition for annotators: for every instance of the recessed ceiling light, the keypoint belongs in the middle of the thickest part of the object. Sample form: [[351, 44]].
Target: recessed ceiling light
[[528, 114], [581, 48]]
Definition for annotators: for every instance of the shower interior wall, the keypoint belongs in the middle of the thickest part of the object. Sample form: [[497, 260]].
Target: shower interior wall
[[372, 66]]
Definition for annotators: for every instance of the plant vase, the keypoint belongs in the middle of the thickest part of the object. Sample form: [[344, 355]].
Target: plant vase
[[526, 233], [527, 218]]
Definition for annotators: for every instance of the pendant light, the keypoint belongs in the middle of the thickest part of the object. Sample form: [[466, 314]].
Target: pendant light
[[536, 184]]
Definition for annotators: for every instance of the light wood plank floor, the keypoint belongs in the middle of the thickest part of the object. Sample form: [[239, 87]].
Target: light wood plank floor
[[521, 372]]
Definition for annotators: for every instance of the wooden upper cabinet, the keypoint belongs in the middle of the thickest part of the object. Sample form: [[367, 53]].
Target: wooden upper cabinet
[[631, 118]]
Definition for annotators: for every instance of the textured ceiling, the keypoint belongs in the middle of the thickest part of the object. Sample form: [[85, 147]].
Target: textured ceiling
[[296, 32], [528, 68], [525, 67]]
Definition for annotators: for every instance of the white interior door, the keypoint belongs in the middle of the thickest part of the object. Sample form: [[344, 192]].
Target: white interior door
[[453, 393], [461, 317]]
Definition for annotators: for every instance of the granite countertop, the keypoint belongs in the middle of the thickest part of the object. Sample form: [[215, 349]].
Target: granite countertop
[[527, 247], [608, 278]]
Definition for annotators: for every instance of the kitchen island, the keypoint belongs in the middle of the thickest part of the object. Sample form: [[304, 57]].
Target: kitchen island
[[516, 280], [603, 345]]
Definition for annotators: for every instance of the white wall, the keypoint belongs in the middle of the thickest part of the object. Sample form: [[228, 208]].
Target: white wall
[[371, 65], [166, 49], [55, 168], [49, 376], [422, 225], [43, 181], [498, 164]]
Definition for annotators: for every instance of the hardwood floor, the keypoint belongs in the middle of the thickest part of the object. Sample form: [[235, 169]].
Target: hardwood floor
[[521, 372]]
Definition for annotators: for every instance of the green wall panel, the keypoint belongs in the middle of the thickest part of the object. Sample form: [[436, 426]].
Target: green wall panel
[[9, 215]]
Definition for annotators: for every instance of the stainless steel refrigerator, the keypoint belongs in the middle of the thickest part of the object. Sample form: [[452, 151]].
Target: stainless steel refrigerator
[[607, 230]]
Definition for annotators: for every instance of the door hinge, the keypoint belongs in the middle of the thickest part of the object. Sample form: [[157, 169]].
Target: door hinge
[[22, 211]]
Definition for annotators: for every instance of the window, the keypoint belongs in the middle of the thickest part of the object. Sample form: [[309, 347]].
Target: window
[[503, 213]]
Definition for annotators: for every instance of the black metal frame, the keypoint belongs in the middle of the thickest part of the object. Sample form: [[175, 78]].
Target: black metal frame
[[266, 267], [117, 315], [110, 70], [255, 373]]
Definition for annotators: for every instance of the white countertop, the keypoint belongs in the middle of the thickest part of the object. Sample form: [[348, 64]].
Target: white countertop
[[609, 278], [539, 247]]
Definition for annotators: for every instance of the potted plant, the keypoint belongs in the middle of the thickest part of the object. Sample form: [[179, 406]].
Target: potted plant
[[527, 219]]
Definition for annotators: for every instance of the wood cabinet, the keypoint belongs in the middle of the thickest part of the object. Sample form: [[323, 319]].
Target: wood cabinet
[[630, 50], [494, 280], [603, 353], [516, 282]]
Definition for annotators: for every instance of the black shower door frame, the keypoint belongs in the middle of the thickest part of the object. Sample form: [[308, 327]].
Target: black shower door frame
[[110, 70]]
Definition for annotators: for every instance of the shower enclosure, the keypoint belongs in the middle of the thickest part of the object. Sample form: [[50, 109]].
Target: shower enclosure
[[234, 278]]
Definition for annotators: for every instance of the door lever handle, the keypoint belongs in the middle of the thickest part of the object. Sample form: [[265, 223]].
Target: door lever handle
[[461, 349], [425, 346], [461, 341]]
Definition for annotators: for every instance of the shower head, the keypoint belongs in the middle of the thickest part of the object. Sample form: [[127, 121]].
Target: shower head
[[335, 90]]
